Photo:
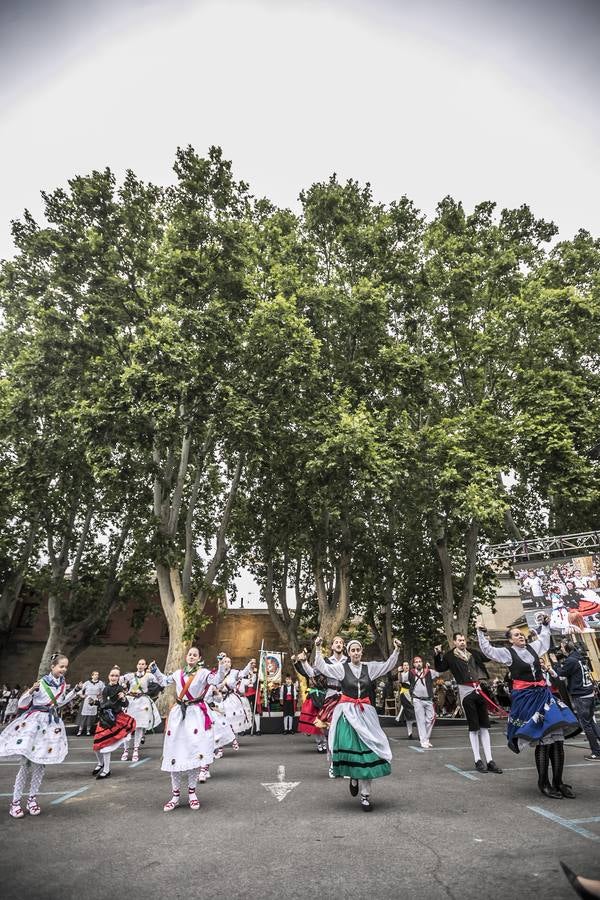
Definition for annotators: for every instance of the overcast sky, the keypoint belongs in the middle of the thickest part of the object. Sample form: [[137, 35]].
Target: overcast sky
[[480, 99]]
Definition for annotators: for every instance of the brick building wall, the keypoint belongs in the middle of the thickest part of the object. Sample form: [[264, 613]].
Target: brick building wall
[[238, 632]]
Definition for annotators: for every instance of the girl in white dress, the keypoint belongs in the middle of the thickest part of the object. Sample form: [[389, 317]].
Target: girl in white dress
[[91, 691], [237, 709], [141, 707], [38, 733], [189, 743]]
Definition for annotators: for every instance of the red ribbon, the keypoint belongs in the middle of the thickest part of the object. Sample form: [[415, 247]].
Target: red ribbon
[[493, 707], [523, 685], [361, 702]]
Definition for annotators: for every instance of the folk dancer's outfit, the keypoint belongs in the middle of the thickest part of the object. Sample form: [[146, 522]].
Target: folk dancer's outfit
[[189, 739], [359, 748], [468, 668], [248, 687], [113, 729], [141, 707], [287, 697], [38, 736], [407, 710], [421, 690], [223, 733], [309, 711], [91, 691], [236, 707], [332, 697], [537, 718]]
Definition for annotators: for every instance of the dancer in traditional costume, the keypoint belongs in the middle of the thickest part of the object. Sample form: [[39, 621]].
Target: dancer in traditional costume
[[467, 668], [141, 706], [357, 744], [537, 717], [236, 707], [248, 686], [90, 692], [332, 694], [223, 733], [315, 698], [38, 734], [407, 710], [189, 742], [287, 697], [420, 680], [114, 725]]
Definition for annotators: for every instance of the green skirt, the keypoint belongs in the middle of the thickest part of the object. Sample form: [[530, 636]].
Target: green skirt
[[351, 757]]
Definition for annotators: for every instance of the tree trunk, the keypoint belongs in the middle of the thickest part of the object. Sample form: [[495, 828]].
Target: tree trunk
[[56, 632], [334, 604], [456, 615], [172, 601]]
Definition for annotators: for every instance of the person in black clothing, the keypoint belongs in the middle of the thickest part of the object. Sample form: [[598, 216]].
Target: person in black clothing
[[114, 726], [581, 689], [468, 668]]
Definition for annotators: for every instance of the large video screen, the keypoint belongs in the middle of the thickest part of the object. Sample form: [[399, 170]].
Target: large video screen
[[566, 589]]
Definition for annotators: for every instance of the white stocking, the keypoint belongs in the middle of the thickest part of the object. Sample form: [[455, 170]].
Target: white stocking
[[176, 781], [365, 787], [193, 778], [137, 737], [36, 778], [21, 779], [484, 734], [474, 738], [106, 761]]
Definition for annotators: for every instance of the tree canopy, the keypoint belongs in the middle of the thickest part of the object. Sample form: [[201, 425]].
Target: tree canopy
[[349, 401]]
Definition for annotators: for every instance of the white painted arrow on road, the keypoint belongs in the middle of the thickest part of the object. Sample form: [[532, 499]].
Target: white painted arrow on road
[[280, 788]]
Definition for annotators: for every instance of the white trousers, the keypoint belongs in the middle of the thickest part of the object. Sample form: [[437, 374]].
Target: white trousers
[[425, 716]]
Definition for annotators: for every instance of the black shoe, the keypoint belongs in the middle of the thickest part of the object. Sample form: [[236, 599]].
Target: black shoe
[[353, 785], [411, 737], [549, 791], [492, 767], [365, 804], [590, 756], [575, 883], [480, 766], [566, 790], [97, 769], [102, 775]]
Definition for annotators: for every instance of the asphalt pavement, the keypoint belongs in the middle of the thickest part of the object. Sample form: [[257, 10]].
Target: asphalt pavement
[[273, 825]]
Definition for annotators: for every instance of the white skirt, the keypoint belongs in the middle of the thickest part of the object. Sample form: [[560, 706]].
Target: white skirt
[[35, 737], [237, 712], [224, 733], [188, 743], [365, 723], [143, 710]]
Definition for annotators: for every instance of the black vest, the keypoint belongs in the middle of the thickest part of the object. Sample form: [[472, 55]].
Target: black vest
[[356, 687], [522, 671]]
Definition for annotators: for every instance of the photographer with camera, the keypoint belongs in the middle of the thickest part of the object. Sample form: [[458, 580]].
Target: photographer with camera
[[581, 688]]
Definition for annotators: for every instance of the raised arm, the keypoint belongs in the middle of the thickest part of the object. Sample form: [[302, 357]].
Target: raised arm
[[327, 668], [542, 645], [499, 654], [216, 677], [377, 669], [162, 679]]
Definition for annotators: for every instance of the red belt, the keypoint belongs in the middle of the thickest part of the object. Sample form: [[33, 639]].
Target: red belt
[[523, 685], [358, 701]]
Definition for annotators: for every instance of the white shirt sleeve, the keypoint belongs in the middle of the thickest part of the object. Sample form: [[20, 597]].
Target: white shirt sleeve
[[326, 668], [377, 669], [499, 654], [542, 645]]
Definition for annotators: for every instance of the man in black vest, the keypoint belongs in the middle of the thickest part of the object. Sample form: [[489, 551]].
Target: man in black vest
[[468, 667]]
